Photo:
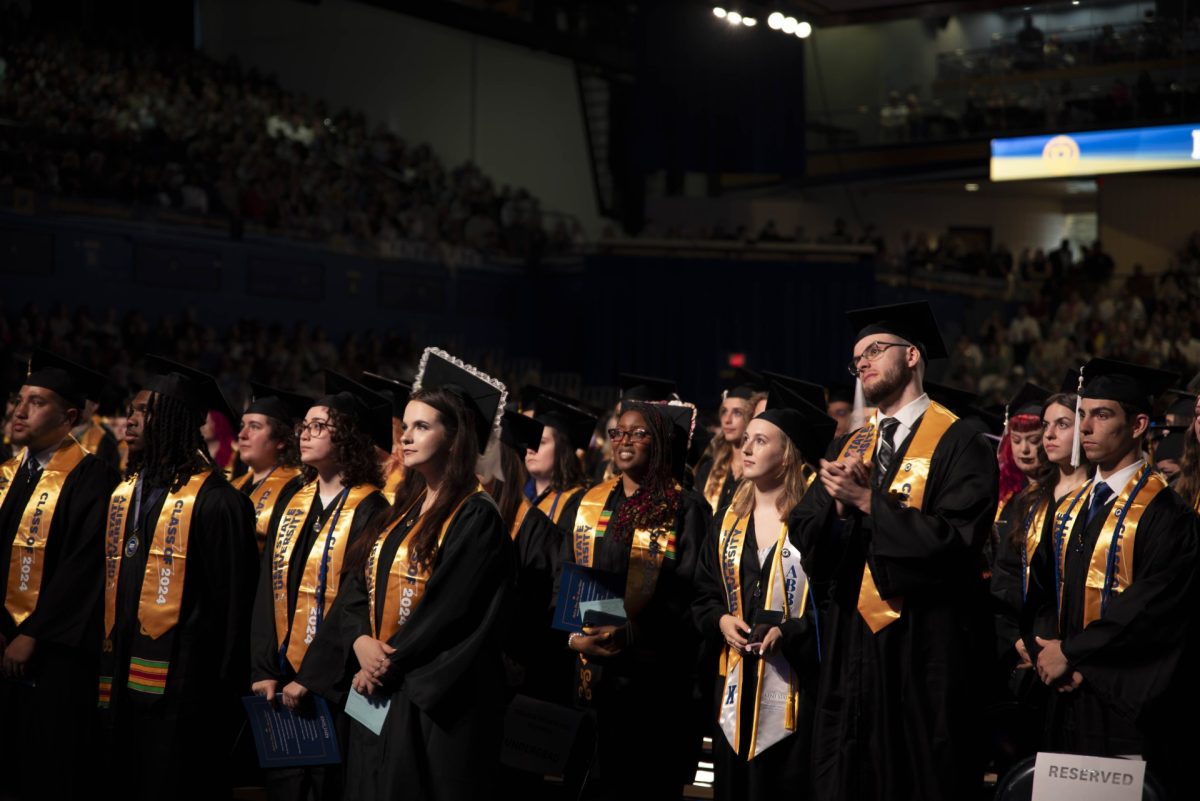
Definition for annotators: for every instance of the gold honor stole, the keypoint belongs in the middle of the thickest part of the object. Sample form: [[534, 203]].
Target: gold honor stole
[[522, 511], [331, 539], [92, 438], [554, 503], [1110, 570], [265, 497], [406, 582], [648, 548], [908, 488], [1035, 522], [713, 488], [777, 693], [392, 483], [29, 541]]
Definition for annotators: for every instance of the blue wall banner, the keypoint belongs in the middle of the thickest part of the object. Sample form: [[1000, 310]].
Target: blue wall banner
[[1167, 147]]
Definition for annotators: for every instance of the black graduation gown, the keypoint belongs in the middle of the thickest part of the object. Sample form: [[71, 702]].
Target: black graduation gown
[[539, 652], [1129, 658], [704, 470], [783, 769], [441, 738], [641, 696], [46, 729], [266, 662], [179, 743], [899, 713]]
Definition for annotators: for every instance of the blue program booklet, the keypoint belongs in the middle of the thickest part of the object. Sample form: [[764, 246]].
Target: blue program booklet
[[588, 595], [285, 739]]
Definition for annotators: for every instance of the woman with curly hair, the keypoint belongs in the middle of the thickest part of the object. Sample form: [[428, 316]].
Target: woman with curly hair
[[420, 612], [306, 543], [636, 677]]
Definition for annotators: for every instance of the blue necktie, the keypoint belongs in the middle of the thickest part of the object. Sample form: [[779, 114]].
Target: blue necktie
[[1101, 495]]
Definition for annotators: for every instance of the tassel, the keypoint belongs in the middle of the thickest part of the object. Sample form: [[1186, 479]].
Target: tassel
[[858, 416], [1075, 443], [1003, 433]]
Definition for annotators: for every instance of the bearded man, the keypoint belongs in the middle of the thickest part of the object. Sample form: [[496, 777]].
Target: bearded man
[[894, 530]]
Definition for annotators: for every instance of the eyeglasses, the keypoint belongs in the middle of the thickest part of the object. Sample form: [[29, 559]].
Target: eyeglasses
[[316, 429], [871, 353], [636, 435]]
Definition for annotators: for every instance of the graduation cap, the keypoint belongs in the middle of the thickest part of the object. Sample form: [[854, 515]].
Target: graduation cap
[[113, 401], [746, 384], [392, 390], [1070, 382], [814, 394], [959, 401], [287, 407], [1030, 399], [370, 410], [73, 382], [682, 417], [482, 395], [645, 388], [804, 423], [520, 433], [194, 388], [1184, 404], [575, 423], [841, 393], [913, 322], [527, 399], [1131, 384], [1171, 446]]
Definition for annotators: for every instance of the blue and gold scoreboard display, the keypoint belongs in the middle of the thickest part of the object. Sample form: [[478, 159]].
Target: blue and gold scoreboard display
[[1166, 147]]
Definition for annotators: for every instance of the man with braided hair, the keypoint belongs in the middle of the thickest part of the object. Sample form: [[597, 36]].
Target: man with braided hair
[[179, 572], [637, 677]]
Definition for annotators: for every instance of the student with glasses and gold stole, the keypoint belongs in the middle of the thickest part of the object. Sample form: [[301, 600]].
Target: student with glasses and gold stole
[[637, 678], [268, 446], [1112, 590], [897, 519], [307, 540], [754, 596], [53, 496], [179, 573], [421, 609]]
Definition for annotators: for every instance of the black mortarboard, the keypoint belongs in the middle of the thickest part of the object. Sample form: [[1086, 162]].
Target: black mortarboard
[[645, 388], [746, 384], [575, 423], [520, 433], [1131, 384], [843, 393], [483, 395], [805, 424], [1030, 399], [113, 402], [682, 417], [195, 388], [370, 410], [1183, 406], [1170, 446], [287, 407], [73, 382], [813, 393], [394, 391], [1070, 382], [913, 322], [527, 399], [959, 401]]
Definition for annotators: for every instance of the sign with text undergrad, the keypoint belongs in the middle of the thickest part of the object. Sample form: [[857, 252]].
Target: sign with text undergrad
[[1164, 147], [1071, 777]]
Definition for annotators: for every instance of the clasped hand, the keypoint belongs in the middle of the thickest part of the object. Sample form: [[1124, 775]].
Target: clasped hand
[[847, 481]]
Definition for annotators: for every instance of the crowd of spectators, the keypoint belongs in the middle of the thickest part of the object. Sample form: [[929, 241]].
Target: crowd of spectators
[[172, 129]]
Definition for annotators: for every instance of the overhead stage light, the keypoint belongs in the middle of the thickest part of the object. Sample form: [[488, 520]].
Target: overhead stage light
[[734, 18], [804, 30], [775, 21], [719, 12]]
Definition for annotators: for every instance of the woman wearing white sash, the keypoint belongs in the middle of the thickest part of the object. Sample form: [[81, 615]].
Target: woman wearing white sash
[[754, 595]]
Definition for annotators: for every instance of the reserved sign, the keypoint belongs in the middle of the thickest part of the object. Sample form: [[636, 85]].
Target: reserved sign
[[1071, 777]]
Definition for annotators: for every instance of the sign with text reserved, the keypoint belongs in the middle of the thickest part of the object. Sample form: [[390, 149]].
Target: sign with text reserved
[[1071, 777]]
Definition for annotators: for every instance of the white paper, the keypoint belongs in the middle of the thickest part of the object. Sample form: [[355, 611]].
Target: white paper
[[370, 711], [1070, 777]]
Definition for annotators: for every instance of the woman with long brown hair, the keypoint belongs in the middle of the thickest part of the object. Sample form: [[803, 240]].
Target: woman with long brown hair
[[555, 472], [1188, 482], [754, 597], [636, 676], [420, 610], [719, 472], [307, 540]]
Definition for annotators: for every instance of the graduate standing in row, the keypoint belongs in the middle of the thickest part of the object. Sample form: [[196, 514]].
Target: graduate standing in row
[[555, 472], [179, 573], [53, 496], [910, 498], [423, 606], [754, 596], [307, 540], [267, 445], [719, 472], [396, 393], [1112, 590]]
